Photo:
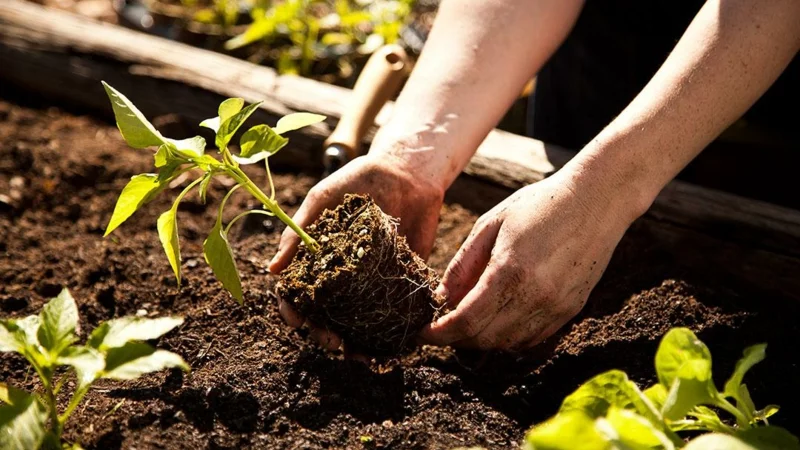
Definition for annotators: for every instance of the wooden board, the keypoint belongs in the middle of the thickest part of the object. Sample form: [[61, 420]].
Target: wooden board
[[64, 56]]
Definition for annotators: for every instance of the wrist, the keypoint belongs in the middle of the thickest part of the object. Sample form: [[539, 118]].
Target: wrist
[[421, 153], [623, 189]]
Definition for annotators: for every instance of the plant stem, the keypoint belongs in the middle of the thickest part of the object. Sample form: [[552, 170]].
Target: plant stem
[[73, 403], [55, 425], [741, 419], [273, 206]]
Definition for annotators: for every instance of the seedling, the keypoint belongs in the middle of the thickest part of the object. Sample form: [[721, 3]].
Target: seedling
[[299, 34], [610, 412], [115, 350], [177, 157]]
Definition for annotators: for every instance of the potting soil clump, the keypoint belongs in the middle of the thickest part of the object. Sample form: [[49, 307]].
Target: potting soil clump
[[365, 283]]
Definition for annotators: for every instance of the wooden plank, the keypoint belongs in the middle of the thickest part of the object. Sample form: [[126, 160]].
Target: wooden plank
[[63, 57]]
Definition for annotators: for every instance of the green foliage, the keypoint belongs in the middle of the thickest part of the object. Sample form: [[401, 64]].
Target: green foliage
[[176, 157], [115, 350], [298, 32], [610, 412]]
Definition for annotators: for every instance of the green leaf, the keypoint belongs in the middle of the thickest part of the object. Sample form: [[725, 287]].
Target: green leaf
[[229, 108], [744, 401], [219, 256], [258, 143], [23, 420], [135, 128], [118, 332], [59, 320], [657, 394], [609, 389], [229, 127], [168, 234], [296, 121], [87, 362], [25, 332], [163, 155], [226, 110], [136, 193], [137, 358], [677, 347], [212, 123], [763, 414], [752, 356], [633, 432], [8, 340], [572, 430], [760, 438], [207, 162], [191, 147], [691, 386]]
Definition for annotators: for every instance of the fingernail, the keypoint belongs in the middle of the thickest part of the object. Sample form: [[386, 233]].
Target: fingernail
[[441, 291]]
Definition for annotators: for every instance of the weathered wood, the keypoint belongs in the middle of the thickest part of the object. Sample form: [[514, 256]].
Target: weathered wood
[[63, 57]]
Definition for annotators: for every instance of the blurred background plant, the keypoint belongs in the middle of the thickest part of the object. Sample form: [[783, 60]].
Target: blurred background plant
[[315, 37]]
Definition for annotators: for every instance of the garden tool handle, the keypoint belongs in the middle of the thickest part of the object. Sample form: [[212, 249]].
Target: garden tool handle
[[377, 83]]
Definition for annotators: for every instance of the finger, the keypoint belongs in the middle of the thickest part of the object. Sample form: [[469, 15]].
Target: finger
[[466, 268], [475, 312], [311, 208], [290, 316], [325, 338]]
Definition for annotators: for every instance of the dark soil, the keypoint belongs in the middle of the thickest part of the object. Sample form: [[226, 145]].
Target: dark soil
[[364, 283], [256, 383]]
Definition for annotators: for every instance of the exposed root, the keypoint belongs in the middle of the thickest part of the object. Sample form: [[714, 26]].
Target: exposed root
[[365, 283]]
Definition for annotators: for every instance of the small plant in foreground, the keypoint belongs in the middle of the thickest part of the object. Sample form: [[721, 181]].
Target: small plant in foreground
[[176, 157], [115, 350], [610, 412]]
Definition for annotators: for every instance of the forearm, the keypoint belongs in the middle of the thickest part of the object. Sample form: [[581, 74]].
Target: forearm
[[477, 59], [728, 57]]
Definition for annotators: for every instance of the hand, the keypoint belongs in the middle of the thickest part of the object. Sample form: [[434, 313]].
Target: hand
[[394, 185], [528, 266]]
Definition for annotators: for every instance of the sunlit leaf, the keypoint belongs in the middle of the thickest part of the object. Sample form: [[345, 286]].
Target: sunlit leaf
[[212, 123], [137, 131], [191, 147], [760, 438], [296, 121], [571, 430], [136, 193], [136, 358], [168, 234], [752, 356], [87, 362], [219, 256], [691, 386], [118, 332], [58, 322], [633, 432], [229, 108], [23, 420], [229, 127], [677, 347], [258, 143]]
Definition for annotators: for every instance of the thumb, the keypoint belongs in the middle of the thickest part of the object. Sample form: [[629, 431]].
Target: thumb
[[469, 263]]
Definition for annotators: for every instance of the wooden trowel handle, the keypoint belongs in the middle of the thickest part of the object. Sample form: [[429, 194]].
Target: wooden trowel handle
[[376, 84]]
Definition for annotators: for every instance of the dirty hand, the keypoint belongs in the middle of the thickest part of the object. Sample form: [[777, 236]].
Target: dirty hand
[[529, 265], [396, 187]]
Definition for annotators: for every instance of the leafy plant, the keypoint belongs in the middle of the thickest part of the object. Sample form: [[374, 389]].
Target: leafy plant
[[115, 350], [177, 157], [298, 32], [611, 412]]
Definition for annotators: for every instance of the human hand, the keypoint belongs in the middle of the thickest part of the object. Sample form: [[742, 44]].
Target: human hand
[[529, 265], [396, 187]]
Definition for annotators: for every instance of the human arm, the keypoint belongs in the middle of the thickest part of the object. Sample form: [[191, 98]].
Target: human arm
[[530, 263]]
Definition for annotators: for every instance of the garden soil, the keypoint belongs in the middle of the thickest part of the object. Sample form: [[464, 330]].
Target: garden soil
[[257, 383]]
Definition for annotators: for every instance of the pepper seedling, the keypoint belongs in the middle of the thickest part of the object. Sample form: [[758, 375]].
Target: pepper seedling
[[611, 412], [115, 350], [176, 157]]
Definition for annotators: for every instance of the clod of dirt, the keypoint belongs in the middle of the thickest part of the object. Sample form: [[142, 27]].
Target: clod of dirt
[[365, 283]]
